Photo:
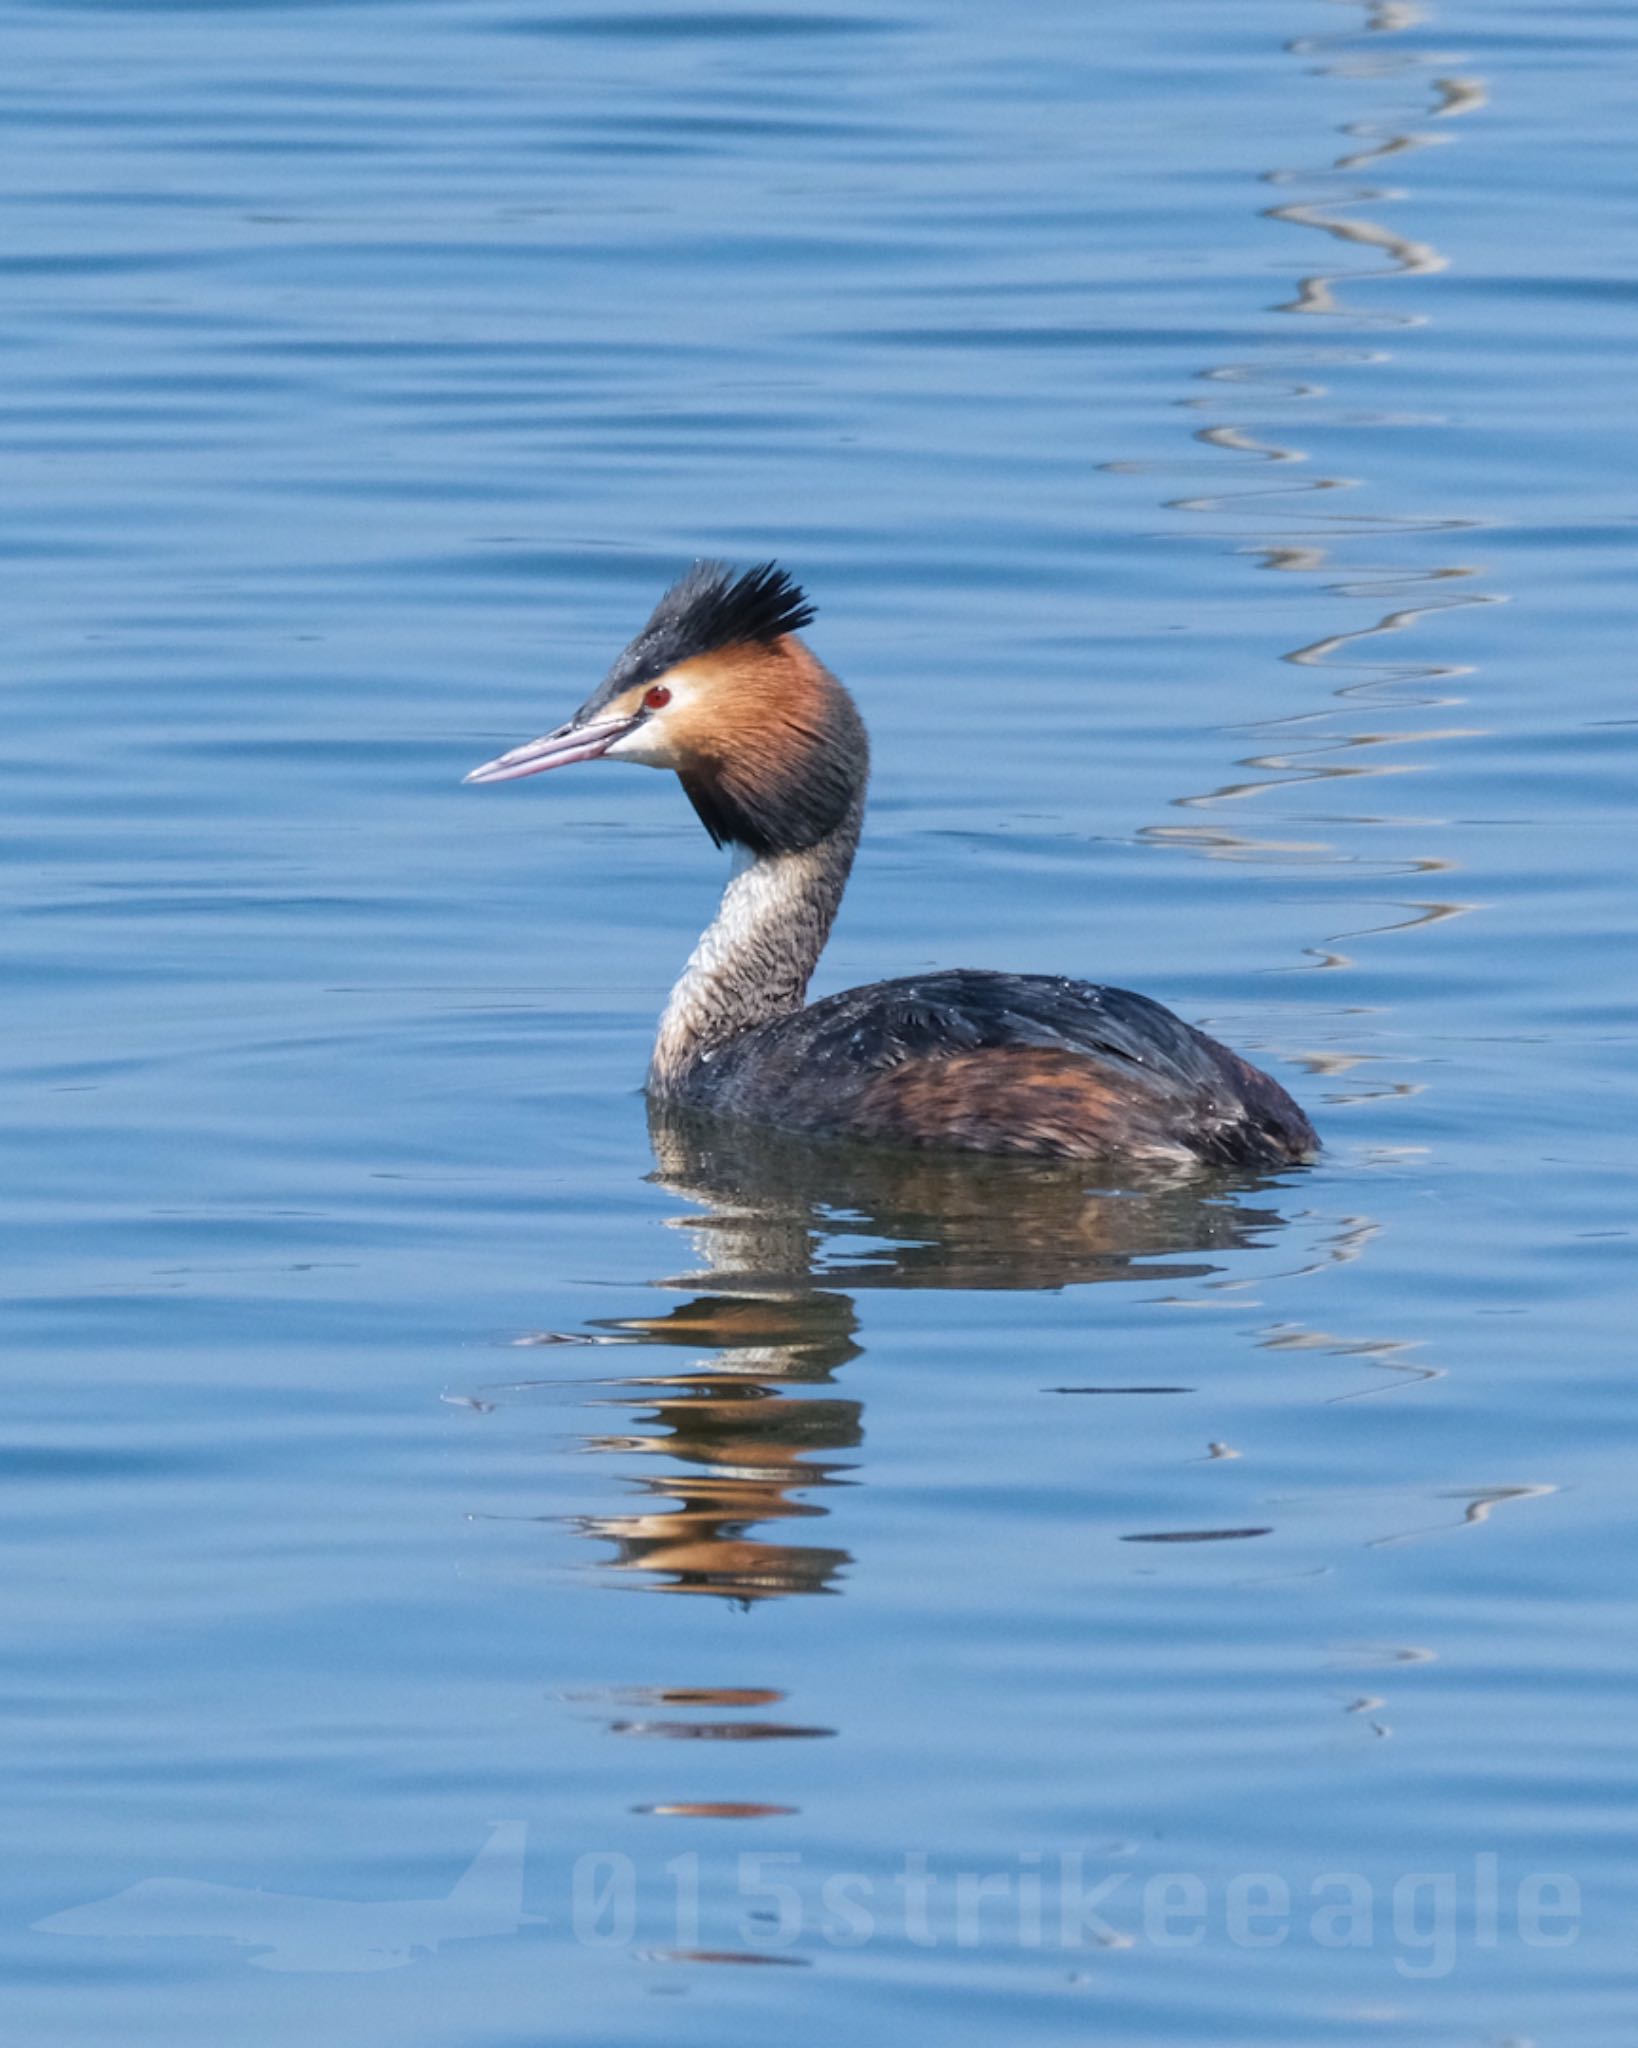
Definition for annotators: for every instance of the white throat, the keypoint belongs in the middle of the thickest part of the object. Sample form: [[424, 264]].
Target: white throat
[[756, 957]]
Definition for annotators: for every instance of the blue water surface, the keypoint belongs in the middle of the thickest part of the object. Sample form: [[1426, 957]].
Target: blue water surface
[[1168, 1615]]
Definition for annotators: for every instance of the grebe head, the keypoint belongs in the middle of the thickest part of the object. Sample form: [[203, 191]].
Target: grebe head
[[765, 740]]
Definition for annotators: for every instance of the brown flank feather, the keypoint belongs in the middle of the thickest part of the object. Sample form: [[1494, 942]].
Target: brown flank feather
[[1032, 1100]]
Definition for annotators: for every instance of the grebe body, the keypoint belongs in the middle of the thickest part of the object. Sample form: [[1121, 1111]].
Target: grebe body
[[772, 752]]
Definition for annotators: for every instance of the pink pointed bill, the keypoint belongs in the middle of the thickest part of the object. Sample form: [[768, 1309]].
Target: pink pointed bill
[[560, 749]]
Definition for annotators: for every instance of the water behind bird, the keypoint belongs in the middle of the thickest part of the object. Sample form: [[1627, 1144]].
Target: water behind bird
[[480, 1571]]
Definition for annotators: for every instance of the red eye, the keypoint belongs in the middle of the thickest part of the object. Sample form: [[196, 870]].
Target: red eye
[[657, 698]]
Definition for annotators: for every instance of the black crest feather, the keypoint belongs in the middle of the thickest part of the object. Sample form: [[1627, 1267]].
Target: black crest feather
[[709, 608]]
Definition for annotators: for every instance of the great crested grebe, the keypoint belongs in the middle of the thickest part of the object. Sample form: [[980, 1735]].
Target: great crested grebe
[[773, 755]]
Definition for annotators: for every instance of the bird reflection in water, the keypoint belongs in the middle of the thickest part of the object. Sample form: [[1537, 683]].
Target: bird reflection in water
[[745, 1430], [741, 1440]]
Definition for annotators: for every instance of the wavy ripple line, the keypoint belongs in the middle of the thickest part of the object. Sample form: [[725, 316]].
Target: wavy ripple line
[[1323, 746]]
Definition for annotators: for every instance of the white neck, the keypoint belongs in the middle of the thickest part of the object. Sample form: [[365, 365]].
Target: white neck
[[755, 958]]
